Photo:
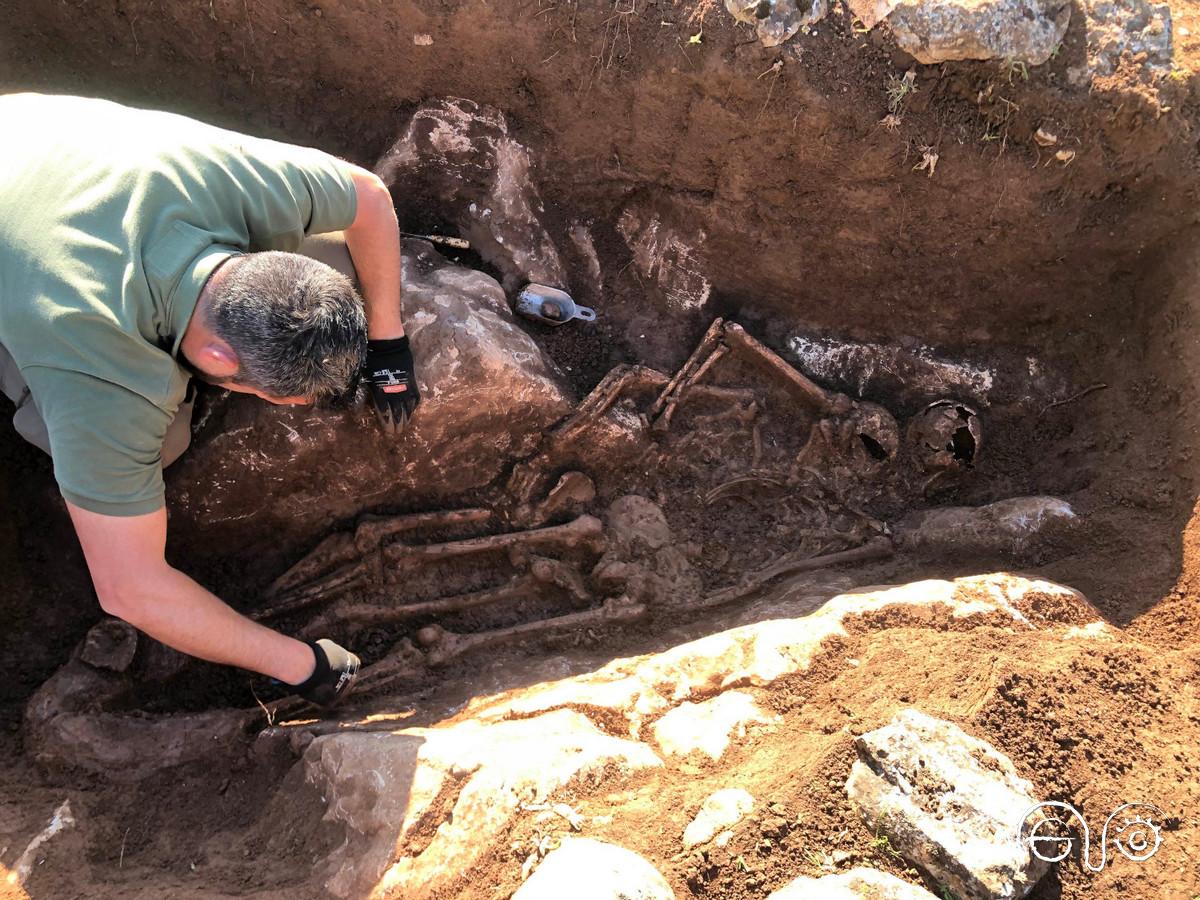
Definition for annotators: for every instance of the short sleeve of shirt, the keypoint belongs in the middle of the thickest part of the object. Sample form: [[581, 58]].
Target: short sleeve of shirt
[[106, 441], [287, 192]]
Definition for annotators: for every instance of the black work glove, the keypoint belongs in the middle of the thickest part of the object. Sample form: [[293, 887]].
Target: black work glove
[[389, 374], [334, 676]]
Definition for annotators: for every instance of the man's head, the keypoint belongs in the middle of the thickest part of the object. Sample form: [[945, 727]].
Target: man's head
[[279, 325]]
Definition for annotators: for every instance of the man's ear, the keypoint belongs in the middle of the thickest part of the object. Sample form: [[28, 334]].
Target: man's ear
[[217, 359]]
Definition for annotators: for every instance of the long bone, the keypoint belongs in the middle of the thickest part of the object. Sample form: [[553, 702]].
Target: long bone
[[605, 394], [707, 345], [827, 402], [406, 661], [585, 532], [367, 615], [445, 646], [876, 548], [368, 535], [544, 573]]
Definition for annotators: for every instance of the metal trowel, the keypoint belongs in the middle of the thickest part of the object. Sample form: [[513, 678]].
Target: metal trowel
[[550, 305]]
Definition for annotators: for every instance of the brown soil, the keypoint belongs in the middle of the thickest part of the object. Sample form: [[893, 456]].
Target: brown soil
[[822, 226]]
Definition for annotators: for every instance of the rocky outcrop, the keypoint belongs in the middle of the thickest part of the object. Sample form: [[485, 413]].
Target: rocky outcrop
[[719, 811], [936, 31], [458, 157], [487, 395], [949, 803], [466, 783], [1023, 31], [410, 812], [1006, 526], [1135, 29], [583, 869]]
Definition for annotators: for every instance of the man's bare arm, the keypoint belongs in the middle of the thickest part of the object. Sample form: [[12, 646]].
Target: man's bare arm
[[126, 556], [373, 240]]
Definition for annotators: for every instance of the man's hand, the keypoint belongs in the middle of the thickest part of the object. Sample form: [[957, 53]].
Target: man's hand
[[391, 378], [333, 677]]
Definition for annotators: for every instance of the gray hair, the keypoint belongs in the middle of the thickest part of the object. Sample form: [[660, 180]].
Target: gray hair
[[296, 325]]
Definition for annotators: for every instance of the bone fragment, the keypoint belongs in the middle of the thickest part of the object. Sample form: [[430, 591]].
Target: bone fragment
[[829, 402], [570, 492], [23, 867], [445, 646], [322, 590], [606, 393], [560, 574], [877, 548]]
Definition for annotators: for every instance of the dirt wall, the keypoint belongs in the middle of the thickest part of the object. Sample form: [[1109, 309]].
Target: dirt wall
[[814, 210]]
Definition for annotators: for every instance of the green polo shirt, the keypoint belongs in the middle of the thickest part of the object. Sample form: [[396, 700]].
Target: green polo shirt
[[111, 220]]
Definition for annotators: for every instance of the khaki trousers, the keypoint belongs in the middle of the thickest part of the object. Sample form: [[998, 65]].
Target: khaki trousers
[[327, 248]]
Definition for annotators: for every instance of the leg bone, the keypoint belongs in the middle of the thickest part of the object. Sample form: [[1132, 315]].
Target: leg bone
[[368, 535], [585, 532], [367, 615], [829, 402], [877, 548], [445, 646]]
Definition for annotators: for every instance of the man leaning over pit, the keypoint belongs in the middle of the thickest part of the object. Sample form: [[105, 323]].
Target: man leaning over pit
[[140, 248]]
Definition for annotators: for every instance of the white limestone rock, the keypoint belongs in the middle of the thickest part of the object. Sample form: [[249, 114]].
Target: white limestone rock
[[708, 727], [378, 787], [719, 811], [936, 31], [1006, 526], [584, 869], [645, 688], [949, 803]]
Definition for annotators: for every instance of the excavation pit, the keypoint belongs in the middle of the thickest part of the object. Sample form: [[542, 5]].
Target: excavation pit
[[847, 333]]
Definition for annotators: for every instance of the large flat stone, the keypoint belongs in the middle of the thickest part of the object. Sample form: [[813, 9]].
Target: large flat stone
[[949, 803]]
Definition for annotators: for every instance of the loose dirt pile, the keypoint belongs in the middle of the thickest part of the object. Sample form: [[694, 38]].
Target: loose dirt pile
[[795, 253]]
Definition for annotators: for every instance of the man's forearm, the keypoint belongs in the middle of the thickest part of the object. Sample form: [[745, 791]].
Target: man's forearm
[[374, 244], [172, 608]]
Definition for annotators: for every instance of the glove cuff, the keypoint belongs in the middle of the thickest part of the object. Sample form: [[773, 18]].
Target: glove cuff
[[320, 673], [389, 345]]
